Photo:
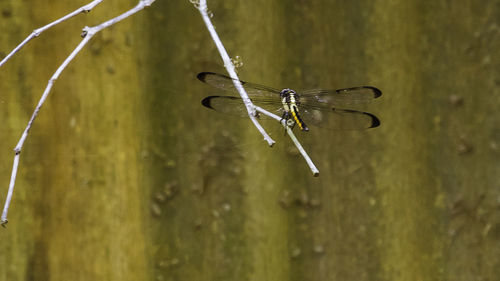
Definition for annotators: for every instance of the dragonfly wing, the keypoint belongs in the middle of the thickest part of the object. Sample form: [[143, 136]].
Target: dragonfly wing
[[317, 107], [235, 106], [339, 119], [340, 97], [226, 104], [227, 83]]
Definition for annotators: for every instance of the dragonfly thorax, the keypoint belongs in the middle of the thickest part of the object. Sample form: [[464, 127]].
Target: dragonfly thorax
[[290, 101]]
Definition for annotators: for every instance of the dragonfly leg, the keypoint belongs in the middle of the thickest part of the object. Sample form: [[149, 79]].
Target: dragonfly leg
[[287, 116]]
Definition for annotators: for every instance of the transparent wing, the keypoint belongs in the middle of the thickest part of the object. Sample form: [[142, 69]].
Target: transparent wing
[[330, 118], [317, 107], [349, 96], [226, 83], [339, 119], [235, 105], [314, 98]]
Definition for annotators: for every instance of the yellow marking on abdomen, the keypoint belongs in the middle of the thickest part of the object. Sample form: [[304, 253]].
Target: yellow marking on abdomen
[[296, 118]]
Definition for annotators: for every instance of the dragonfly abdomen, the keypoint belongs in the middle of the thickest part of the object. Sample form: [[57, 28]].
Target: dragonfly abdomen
[[296, 117]]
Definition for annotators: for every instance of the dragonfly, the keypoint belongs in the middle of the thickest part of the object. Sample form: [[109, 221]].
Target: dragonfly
[[319, 107]]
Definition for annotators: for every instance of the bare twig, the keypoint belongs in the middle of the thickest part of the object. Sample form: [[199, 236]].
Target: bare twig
[[251, 108], [302, 151], [38, 31], [202, 7], [88, 33]]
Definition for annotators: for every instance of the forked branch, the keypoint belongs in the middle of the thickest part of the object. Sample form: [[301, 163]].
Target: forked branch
[[88, 33], [84, 9]]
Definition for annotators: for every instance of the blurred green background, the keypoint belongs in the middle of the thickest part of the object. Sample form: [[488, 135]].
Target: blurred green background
[[125, 176]]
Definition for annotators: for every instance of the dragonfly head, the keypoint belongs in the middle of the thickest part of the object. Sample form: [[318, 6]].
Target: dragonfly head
[[286, 92]]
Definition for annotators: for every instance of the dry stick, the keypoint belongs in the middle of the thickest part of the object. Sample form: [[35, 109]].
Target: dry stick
[[38, 31], [302, 151], [202, 7], [88, 33]]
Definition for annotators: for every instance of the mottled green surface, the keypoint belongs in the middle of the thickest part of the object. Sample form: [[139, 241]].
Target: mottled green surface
[[126, 177]]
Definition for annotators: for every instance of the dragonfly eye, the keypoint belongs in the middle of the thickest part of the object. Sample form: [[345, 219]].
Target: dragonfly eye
[[283, 93]]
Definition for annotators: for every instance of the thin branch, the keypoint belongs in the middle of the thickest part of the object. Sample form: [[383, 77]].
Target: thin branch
[[88, 33], [38, 31], [302, 151], [202, 7]]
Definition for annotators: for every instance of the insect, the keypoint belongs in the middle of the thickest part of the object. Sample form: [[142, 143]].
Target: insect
[[317, 107]]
